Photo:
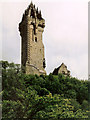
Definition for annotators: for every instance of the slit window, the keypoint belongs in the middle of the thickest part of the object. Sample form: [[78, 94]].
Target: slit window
[[35, 39]]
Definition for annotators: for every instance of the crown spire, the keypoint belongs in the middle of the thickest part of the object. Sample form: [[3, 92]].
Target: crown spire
[[31, 4]]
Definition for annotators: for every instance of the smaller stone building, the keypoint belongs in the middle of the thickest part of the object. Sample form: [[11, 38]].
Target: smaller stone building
[[61, 69]]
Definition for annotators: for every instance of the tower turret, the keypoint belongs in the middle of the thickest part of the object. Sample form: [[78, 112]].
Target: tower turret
[[32, 49]]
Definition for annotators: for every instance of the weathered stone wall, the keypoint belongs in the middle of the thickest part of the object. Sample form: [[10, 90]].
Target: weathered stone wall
[[31, 29], [61, 69]]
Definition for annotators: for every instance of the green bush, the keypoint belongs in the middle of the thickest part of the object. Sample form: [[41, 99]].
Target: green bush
[[42, 97]]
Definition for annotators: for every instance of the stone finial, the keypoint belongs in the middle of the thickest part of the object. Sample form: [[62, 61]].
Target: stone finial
[[34, 6], [23, 17], [31, 4], [37, 10], [39, 14]]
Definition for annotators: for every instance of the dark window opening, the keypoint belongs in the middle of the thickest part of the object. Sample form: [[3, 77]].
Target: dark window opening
[[44, 64], [34, 29], [35, 39]]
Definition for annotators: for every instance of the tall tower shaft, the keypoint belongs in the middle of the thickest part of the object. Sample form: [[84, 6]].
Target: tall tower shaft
[[32, 49]]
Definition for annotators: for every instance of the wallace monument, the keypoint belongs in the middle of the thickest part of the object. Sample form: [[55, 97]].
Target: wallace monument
[[32, 49]]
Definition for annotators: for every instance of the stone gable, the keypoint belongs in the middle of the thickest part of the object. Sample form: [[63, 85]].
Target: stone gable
[[61, 69]]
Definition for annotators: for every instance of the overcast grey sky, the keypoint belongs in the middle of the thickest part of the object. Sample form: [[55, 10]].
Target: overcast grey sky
[[65, 35]]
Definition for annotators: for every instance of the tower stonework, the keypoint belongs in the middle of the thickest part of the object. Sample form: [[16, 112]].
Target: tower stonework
[[32, 49]]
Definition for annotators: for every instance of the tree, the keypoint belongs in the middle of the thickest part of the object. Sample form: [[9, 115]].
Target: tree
[[42, 97], [5, 64]]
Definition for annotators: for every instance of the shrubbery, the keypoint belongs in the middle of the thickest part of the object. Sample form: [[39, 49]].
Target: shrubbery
[[42, 97]]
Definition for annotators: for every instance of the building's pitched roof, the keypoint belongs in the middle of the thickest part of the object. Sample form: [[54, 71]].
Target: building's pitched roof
[[55, 72]]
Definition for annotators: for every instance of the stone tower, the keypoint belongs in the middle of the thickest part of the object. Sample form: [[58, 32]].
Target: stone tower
[[32, 49]]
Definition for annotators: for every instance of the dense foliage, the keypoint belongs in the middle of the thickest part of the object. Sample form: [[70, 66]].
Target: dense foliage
[[42, 97]]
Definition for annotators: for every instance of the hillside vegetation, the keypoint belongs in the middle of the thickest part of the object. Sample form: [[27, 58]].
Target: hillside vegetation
[[42, 97]]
